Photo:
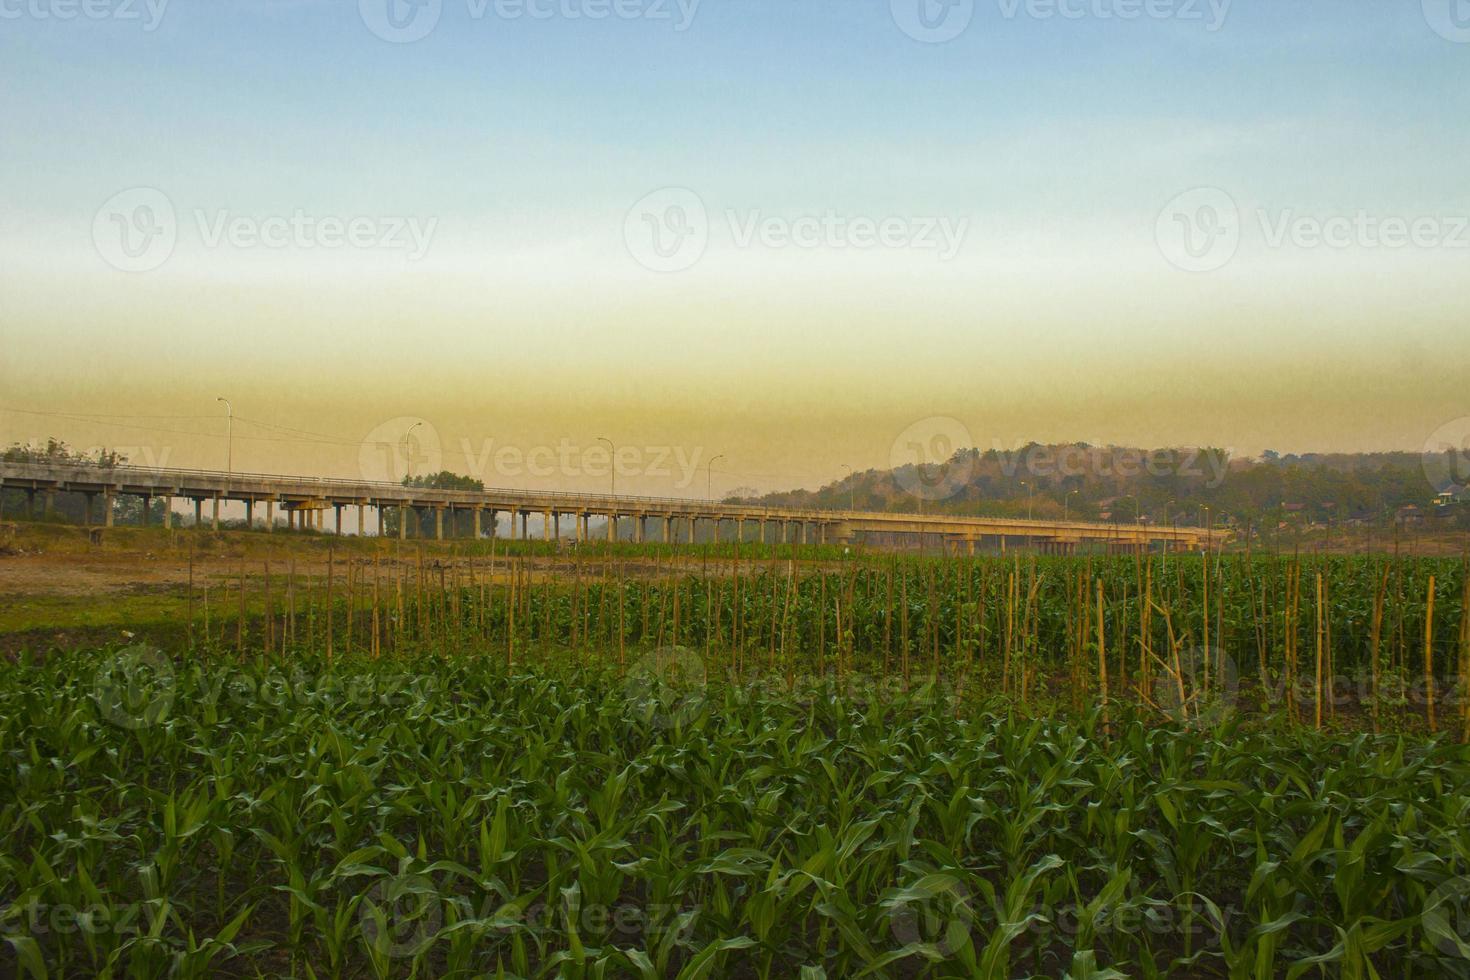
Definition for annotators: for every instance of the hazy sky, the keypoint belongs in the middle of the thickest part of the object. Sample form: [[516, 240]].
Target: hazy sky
[[786, 232]]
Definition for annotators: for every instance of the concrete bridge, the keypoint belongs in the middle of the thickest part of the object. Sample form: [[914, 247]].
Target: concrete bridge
[[305, 502]]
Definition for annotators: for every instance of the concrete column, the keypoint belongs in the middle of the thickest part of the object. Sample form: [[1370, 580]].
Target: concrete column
[[379, 510], [638, 522], [581, 521], [147, 502], [612, 527], [361, 520], [970, 547], [270, 516], [168, 512], [556, 524], [546, 525], [475, 523], [714, 529], [216, 513], [438, 523], [668, 530], [198, 512], [107, 515], [801, 532], [494, 519], [403, 521], [514, 529], [249, 514], [691, 530], [337, 517], [525, 525]]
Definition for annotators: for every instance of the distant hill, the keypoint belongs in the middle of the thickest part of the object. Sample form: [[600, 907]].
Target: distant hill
[[1153, 485]]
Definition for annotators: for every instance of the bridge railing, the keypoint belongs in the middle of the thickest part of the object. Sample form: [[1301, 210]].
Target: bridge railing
[[38, 469]]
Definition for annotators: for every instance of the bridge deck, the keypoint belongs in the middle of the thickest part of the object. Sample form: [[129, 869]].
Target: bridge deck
[[301, 493]]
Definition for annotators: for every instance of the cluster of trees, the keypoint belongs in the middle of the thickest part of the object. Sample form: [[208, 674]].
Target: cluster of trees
[[71, 507], [1180, 486], [461, 524]]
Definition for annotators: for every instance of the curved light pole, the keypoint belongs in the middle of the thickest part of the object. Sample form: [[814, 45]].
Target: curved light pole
[[1067, 500], [229, 436], [408, 451], [709, 477], [1030, 493], [612, 466]]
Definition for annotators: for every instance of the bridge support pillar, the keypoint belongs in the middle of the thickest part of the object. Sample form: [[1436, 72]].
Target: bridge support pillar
[[475, 524], [270, 516], [612, 527], [691, 530], [556, 525], [402, 522], [640, 522], [107, 516], [546, 525], [668, 530], [198, 513], [714, 529], [438, 523], [168, 512], [361, 520], [215, 515]]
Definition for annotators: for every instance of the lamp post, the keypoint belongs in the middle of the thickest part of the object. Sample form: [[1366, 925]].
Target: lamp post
[[1067, 500], [851, 488], [612, 456], [709, 477], [1030, 492], [408, 451], [229, 436]]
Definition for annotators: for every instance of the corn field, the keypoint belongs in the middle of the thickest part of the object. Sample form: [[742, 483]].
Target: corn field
[[395, 766], [1374, 643], [453, 816]]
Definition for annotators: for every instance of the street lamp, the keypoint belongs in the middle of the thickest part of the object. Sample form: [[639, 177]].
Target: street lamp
[[851, 488], [229, 436], [408, 452], [612, 455], [1030, 492], [1067, 500], [709, 477]]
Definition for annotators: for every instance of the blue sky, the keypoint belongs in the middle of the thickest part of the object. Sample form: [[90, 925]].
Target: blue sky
[[527, 141]]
